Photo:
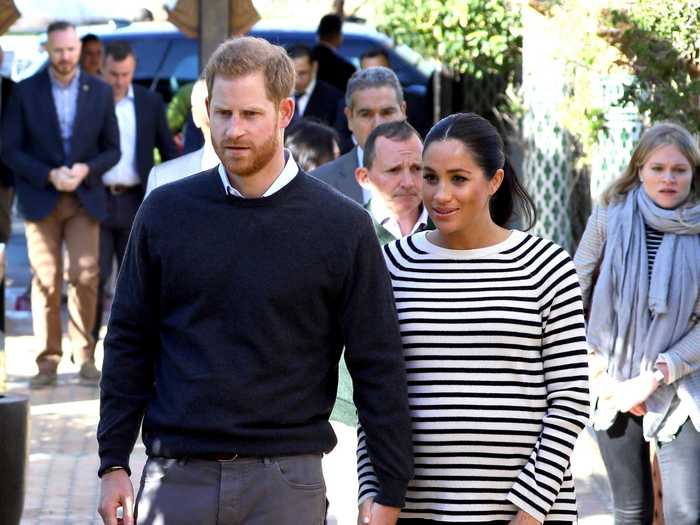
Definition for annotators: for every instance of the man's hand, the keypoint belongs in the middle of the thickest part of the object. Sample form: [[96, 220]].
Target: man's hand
[[80, 170], [372, 513], [116, 491], [76, 174], [523, 518], [61, 178]]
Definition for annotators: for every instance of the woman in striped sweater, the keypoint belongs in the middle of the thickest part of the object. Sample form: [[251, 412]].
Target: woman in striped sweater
[[643, 336], [494, 343]]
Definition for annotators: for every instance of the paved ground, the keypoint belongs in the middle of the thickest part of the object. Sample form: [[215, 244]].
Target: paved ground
[[62, 487]]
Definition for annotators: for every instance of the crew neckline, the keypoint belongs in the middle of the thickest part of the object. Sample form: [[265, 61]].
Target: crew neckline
[[421, 241]]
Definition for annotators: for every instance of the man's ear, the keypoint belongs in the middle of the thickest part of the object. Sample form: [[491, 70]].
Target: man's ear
[[362, 177], [286, 111], [348, 117]]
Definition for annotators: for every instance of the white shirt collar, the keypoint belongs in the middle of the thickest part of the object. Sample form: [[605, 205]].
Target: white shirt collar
[[366, 194], [360, 156], [310, 88], [129, 97], [381, 214], [288, 173], [304, 100]]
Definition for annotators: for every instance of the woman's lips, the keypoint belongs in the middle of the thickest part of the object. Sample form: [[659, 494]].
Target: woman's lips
[[444, 212]]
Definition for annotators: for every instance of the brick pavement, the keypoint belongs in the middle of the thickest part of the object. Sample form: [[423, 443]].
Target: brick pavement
[[61, 483]]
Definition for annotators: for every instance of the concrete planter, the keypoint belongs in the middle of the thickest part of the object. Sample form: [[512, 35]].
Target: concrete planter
[[14, 436]]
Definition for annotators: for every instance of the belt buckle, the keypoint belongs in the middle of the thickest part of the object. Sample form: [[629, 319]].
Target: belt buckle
[[228, 459]]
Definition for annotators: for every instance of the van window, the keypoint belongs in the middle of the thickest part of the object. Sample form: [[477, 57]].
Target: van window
[[182, 61], [149, 53]]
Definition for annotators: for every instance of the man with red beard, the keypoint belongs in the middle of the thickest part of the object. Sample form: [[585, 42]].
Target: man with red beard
[[60, 134], [239, 288]]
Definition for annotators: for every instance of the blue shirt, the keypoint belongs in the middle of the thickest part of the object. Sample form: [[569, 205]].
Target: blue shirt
[[65, 98]]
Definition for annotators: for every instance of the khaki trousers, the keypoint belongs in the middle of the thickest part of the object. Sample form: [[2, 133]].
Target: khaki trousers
[[68, 224]]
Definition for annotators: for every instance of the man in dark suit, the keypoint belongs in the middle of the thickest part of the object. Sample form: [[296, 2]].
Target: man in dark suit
[[417, 110], [313, 97], [60, 135], [142, 127], [332, 67], [373, 96], [7, 183], [91, 52]]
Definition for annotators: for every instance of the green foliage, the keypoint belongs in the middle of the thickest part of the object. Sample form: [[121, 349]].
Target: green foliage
[[572, 28], [473, 37], [661, 46]]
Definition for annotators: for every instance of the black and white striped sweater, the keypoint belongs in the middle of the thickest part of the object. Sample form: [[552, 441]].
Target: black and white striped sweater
[[495, 352]]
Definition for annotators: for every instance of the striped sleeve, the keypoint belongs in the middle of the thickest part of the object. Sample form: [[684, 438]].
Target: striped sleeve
[[566, 380], [367, 479], [590, 250]]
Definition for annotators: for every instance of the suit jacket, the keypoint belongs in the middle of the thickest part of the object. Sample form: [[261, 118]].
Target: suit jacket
[[6, 178], [323, 103], [32, 144], [332, 67], [340, 174], [177, 169], [151, 131]]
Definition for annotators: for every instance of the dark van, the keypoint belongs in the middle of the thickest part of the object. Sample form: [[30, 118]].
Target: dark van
[[167, 58]]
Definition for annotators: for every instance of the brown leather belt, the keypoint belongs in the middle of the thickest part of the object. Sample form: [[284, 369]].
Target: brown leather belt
[[119, 189]]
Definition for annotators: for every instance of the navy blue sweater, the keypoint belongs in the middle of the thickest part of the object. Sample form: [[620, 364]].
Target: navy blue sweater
[[228, 323]]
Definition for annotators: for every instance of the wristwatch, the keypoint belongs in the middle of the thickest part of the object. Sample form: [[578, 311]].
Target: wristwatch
[[112, 469], [659, 376]]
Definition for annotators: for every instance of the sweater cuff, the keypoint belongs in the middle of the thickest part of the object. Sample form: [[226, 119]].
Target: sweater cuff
[[674, 370], [391, 492], [113, 461], [527, 503]]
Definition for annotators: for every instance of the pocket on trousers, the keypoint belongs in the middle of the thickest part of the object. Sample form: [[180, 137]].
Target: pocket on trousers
[[157, 469], [301, 472]]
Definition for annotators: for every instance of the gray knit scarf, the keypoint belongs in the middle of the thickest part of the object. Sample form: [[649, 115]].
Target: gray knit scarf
[[648, 316]]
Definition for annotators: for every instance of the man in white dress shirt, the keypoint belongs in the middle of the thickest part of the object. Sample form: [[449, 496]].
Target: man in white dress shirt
[[142, 127], [200, 160], [393, 173]]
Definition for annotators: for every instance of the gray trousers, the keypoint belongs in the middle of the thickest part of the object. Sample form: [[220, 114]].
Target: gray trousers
[[280, 490]]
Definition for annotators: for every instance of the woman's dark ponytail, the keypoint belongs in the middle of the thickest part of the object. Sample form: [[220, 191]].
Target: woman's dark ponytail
[[511, 206]]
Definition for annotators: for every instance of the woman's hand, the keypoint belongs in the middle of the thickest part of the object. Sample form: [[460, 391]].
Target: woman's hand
[[634, 392], [523, 518], [638, 410], [375, 514], [364, 515]]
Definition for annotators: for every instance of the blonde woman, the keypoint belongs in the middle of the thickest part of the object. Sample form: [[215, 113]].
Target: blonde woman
[[642, 333]]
